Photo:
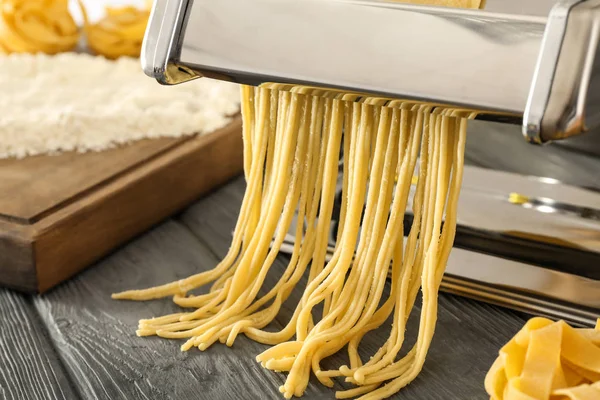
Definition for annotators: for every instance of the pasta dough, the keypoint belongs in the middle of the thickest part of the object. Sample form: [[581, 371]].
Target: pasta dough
[[547, 361], [32, 26]]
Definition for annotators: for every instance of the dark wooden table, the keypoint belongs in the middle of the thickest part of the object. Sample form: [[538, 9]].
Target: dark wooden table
[[75, 342]]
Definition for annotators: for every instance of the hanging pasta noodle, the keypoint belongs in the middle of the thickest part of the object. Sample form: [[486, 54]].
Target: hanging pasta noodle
[[28, 26], [293, 136], [547, 361], [119, 33]]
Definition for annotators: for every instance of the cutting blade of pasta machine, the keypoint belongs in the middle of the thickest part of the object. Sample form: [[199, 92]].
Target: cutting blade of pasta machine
[[535, 61]]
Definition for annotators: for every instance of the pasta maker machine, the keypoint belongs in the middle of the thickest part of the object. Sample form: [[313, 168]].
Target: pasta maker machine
[[534, 63]]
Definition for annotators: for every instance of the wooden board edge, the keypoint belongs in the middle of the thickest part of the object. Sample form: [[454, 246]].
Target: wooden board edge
[[147, 158], [77, 234], [17, 259]]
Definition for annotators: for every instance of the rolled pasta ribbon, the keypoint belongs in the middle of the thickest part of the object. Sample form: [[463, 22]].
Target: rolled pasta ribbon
[[34, 26], [547, 361], [119, 33]]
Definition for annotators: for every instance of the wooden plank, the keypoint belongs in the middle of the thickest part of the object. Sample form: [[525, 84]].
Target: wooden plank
[[17, 263], [213, 218], [96, 334], [122, 209], [29, 366], [110, 207], [42, 183]]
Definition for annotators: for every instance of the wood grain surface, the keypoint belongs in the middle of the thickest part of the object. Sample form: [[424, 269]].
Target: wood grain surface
[[73, 209], [96, 224], [94, 335], [29, 365], [17, 262], [42, 183]]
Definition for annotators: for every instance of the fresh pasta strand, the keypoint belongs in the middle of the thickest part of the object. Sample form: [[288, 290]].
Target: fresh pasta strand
[[292, 140], [293, 136]]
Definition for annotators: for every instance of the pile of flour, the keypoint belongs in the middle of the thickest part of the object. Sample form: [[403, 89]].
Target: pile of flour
[[79, 102]]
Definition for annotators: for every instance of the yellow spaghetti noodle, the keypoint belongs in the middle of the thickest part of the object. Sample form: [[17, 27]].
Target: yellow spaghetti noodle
[[37, 26], [293, 137]]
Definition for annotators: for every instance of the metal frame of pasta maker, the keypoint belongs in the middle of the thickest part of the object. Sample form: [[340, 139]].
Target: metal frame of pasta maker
[[534, 63]]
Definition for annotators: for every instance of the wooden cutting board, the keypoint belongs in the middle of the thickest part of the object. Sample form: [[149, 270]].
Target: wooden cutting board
[[59, 214]]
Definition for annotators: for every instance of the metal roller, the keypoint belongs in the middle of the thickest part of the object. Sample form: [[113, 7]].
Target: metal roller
[[533, 62]]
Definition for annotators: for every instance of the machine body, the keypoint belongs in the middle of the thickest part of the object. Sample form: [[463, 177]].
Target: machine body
[[535, 62]]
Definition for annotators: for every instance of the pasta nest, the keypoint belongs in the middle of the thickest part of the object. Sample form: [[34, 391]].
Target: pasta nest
[[547, 360], [33, 26], [119, 33]]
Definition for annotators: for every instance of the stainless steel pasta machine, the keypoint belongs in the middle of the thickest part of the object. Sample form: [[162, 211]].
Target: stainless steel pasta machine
[[535, 63]]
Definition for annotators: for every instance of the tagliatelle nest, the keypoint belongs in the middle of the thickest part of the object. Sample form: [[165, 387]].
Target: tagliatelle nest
[[34, 26], [119, 33]]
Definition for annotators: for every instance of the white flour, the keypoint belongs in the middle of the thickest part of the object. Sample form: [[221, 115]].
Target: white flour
[[79, 102]]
